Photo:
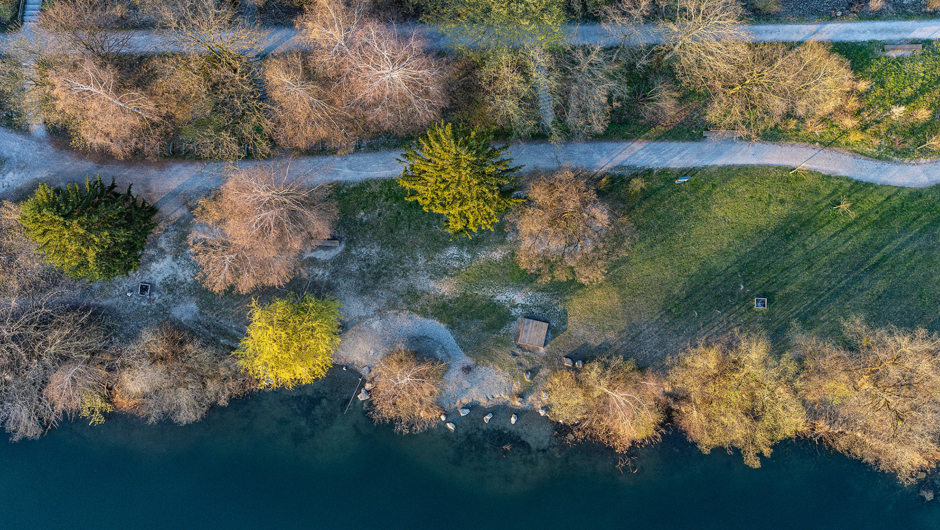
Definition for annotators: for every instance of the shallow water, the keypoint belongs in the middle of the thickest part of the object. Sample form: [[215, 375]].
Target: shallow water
[[293, 460]]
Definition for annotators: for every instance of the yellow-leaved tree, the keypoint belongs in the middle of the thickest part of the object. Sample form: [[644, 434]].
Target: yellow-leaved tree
[[290, 341]]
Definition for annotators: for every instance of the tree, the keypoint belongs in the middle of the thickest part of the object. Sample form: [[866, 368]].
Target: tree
[[253, 232], [736, 395], [103, 115], [392, 82], [610, 401], [508, 93], [48, 366], [876, 398], [169, 374], [86, 25], [95, 234], [23, 273], [461, 176], [562, 232], [405, 391], [754, 86], [290, 341], [501, 24], [590, 88]]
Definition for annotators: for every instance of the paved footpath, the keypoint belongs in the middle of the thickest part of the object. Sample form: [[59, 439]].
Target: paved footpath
[[27, 160], [281, 39]]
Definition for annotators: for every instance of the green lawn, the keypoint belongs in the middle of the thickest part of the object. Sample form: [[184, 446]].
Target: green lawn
[[705, 250]]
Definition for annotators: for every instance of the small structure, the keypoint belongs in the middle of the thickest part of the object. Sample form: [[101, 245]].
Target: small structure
[[760, 303], [532, 333], [899, 50], [327, 243], [683, 180], [143, 289]]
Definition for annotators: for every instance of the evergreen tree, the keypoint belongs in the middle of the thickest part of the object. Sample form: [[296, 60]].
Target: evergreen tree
[[91, 234], [459, 175]]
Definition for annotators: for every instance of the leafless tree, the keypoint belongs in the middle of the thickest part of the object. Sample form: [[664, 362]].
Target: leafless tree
[[590, 91], [85, 25], [562, 231], [508, 93], [101, 114], [254, 230], [878, 399], [405, 391], [703, 28]]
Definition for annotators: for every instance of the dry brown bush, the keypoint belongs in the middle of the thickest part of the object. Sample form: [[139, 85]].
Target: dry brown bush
[[169, 374], [590, 89], [933, 4], [564, 231], [753, 87], [610, 401], [393, 84], [878, 398], [661, 104], [508, 93], [37, 340], [405, 391], [253, 231], [102, 113], [306, 109], [23, 273], [736, 394]]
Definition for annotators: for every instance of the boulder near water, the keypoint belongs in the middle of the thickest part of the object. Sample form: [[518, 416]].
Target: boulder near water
[[488, 417], [451, 426], [464, 412], [364, 395], [513, 419]]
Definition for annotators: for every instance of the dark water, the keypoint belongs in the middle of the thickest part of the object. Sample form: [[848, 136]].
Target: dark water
[[293, 460]]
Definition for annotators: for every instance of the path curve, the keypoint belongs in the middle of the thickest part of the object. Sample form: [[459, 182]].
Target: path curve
[[283, 39], [168, 184]]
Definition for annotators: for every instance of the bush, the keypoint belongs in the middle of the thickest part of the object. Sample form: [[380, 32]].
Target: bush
[[459, 175], [610, 401], [22, 270], [405, 391], [169, 374], [95, 234], [290, 341], [736, 394], [877, 398]]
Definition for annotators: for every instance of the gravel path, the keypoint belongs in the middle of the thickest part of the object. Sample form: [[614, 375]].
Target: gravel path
[[281, 39], [27, 160]]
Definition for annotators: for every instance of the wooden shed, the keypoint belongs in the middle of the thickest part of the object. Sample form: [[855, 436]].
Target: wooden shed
[[532, 333]]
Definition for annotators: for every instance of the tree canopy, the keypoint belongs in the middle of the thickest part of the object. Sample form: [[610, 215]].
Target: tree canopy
[[461, 176], [290, 341], [91, 234]]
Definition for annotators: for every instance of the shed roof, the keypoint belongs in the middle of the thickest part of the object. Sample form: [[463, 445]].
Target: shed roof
[[532, 333]]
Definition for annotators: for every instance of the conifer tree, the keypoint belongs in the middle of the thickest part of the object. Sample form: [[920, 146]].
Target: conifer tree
[[91, 234], [461, 176]]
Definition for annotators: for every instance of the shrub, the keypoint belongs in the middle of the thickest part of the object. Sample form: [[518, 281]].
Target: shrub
[[610, 401], [405, 391], [736, 394], [461, 176], [22, 270], [878, 397], [290, 341], [95, 234], [169, 374]]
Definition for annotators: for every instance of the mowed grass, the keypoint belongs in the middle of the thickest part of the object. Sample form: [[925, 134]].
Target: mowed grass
[[705, 250], [708, 247]]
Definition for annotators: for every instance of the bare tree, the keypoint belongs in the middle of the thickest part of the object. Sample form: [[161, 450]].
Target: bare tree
[[702, 28], [878, 399], [101, 114], [332, 26], [562, 231], [590, 90], [405, 391], [36, 340], [305, 109], [253, 231], [169, 374], [86, 25], [508, 93], [610, 401]]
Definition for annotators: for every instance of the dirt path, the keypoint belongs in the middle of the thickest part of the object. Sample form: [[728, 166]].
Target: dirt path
[[281, 39], [27, 160]]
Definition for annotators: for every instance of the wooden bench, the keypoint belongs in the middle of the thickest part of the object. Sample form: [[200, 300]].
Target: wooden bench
[[330, 243]]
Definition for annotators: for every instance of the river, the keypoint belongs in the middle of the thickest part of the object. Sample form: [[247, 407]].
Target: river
[[294, 460]]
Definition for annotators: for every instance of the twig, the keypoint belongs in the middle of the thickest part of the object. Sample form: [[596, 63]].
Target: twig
[[354, 394]]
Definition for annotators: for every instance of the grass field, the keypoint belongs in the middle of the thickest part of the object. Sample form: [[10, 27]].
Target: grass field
[[705, 250]]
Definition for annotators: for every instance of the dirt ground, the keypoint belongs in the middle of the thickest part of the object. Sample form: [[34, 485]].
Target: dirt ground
[[801, 10]]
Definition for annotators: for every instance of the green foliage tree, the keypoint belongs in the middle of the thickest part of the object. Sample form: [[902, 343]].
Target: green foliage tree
[[91, 234], [459, 175], [290, 341], [490, 24]]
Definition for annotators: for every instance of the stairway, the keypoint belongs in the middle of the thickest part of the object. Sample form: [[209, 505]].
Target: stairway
[[31, 12]]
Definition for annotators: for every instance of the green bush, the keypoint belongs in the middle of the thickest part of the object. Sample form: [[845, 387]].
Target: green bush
[[91, 234]]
